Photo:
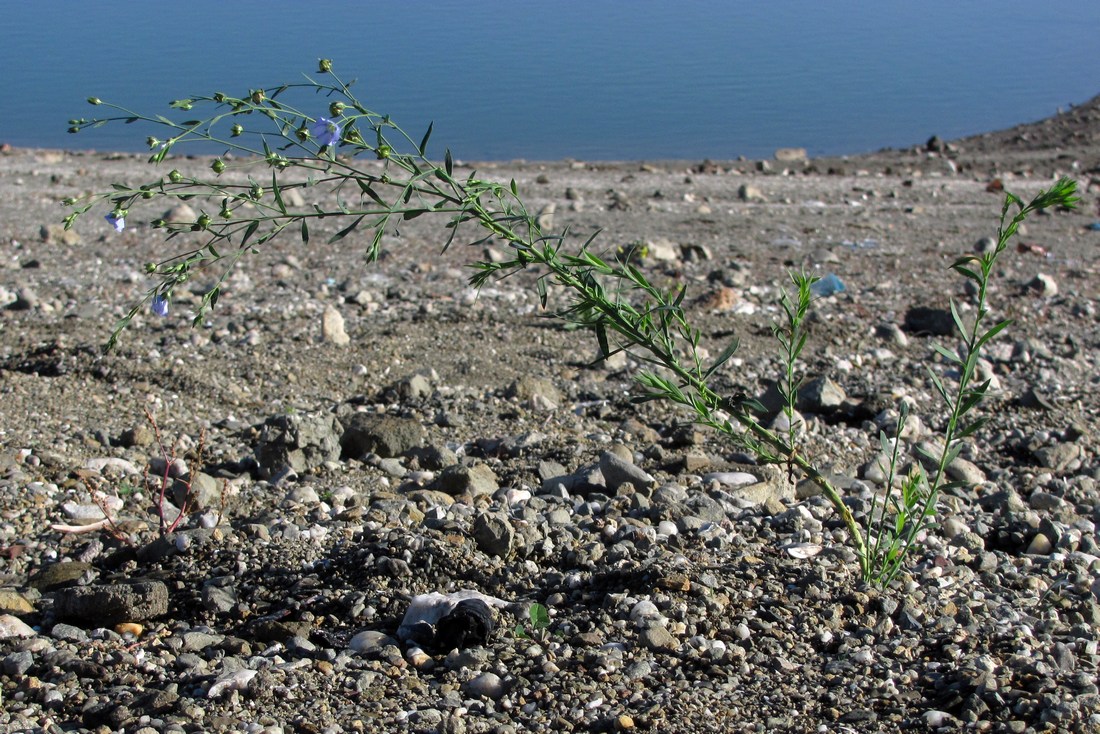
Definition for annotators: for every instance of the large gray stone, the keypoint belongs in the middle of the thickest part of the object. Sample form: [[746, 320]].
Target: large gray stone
[[618, 471], [821, 395], [385, 435], [299, 442], [472, 480], [493, 534], [102, 605]]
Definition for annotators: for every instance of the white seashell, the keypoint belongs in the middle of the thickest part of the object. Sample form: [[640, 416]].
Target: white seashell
[[235, 681], [422, 477], [431, 607], [84, 514], [516, 496], [803, 550], [730, 478]]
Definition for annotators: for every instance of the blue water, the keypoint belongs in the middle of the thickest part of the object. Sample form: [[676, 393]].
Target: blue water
[[504, 79]]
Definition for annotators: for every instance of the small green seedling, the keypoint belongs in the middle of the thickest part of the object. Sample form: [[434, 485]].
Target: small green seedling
[[538, 624]]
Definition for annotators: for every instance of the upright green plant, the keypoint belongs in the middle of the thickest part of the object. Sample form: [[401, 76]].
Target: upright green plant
[[611, 297]]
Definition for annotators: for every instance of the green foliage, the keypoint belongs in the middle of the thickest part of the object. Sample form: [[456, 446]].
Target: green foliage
[[537, 626], [611, 297]]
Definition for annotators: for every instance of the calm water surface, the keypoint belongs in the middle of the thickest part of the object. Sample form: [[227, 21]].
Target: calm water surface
[[548, 80]]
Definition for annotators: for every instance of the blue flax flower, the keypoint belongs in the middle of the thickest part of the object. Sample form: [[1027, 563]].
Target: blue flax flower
[[160, 305], [116, 220], [326, 131]]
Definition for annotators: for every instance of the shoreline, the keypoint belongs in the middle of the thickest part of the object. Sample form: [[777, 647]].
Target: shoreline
[[485, 430], [1073, 140]]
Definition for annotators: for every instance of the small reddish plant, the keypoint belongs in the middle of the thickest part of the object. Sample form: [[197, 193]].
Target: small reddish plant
[[166, 480]]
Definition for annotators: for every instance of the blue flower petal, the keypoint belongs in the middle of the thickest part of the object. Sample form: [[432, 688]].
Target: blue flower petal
[[325, 131], [159, 305], [119, 223]]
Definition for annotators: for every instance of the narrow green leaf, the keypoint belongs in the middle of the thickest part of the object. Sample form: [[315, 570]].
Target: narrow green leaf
[[448, 162], [424, 141], [958, 318], [601, 338], [947, 354], [971, 428], [278, 195], [412, 214], [938, 384], [249, 231], [933, 458], [680, 296], [305, 232], [722, 358], [540, 285], [345, 231], [993, 331], [374, 196], [754, 405], [376, 242], [968, 273]]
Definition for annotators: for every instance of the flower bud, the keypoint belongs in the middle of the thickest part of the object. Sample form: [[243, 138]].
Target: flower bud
[[336, 109], [148, 194], [150, 268], [236, 130], [256, 95], [74, 129], [256, 192], [158, 223], [324, 66], [94, 101], [175, 176], [219, 97], [218, 165], [384, 152], [202, 223], [152, 142], [68, 202], [302, 133]]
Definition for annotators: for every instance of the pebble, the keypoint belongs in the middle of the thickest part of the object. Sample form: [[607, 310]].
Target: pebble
[[486, 685], [1043, 285], [617, 471], [11, 626], [332, 327]]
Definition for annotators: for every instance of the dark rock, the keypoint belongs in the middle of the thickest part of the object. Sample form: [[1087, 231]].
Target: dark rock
[[617, 471], [385, 435], [298, 442], [493, 534], [469, 624], [59, 575], [926, 320], [820, 395], [473, 480], [103, 605]]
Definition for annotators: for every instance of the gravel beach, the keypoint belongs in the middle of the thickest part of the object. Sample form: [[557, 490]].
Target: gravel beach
[[359, 441]]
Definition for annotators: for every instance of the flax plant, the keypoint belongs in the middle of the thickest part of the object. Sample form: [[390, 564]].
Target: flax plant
[[284, 148]]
